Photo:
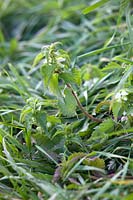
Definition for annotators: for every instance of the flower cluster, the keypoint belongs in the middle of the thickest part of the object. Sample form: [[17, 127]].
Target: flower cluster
[[121, 95]]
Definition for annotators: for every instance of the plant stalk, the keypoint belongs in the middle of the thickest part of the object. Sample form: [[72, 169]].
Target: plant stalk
[[81, 107]]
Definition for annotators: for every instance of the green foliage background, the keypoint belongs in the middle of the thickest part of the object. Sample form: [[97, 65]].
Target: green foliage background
[[49, 148]]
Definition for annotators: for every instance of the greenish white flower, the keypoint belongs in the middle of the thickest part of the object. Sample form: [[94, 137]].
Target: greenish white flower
[[121, 95]]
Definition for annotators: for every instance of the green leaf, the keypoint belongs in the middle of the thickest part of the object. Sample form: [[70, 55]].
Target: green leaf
[[53, 84], [116, 108], [50, 144], [76, 75], [37, 59], [67, 77], [53, 119], [47, 72], [111, 66], [71, 161], [73, 77], [68, 104], [48, 155], [95, 162], [41, 119], [105, 127], [94, 6]]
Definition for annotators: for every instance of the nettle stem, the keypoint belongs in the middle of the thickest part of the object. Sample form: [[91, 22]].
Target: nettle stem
[[81, 107]]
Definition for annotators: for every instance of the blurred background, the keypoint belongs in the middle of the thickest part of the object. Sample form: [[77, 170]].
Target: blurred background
[[26, 26]]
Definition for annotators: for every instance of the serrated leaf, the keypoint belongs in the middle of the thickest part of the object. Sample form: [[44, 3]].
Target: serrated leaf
[[111, 66], [53, 84], [76, 76], [68, 104], [73, 77], [55, 144], [72, 159], [75, 159], [67, 77], [41, 119], [47, 72], [105, 127], [76, 156], [95, 162]]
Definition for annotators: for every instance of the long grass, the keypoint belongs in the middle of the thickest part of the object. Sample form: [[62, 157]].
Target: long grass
[[44, 154]]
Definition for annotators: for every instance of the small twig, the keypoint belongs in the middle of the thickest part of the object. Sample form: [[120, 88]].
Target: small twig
[[81, 107]]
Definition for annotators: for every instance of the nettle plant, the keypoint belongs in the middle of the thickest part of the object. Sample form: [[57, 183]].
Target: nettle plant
[[61, 79], [114, 101], [112, 94]]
